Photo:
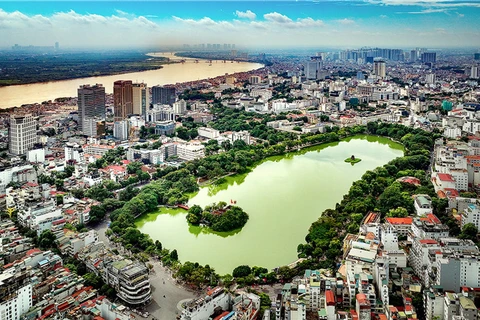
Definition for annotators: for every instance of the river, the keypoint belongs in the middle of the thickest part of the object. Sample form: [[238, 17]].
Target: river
[[283, 195], [11, 96]]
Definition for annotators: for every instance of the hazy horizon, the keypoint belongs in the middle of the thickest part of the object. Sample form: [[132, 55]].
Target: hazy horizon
[[247, 24]]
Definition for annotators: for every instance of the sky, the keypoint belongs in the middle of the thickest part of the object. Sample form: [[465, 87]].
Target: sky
[[247, 24]]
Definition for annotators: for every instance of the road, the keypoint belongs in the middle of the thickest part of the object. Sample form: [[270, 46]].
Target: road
[[162, 283]]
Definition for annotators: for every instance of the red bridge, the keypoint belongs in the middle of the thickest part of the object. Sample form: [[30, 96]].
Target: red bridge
[[183, 206]]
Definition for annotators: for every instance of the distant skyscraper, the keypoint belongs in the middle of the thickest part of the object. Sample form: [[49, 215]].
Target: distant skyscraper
[[122, 99], [379, 68], [22, 133], [429, 57], [413, 56], [474, 72], [476, 56], [91, 103], [312, 67], [163, 95], [57, 45], [141, 99]]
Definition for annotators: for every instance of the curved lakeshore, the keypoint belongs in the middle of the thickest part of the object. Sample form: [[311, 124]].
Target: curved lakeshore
[[17, 95], [277, 223]]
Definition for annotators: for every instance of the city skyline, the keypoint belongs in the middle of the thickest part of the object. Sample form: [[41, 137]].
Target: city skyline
[[353, 23]]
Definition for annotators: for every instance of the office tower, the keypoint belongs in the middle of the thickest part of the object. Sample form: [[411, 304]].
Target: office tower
[[141, 101], [429, 57], [312, 67], [122, 99], [474, 72], [91, 103], [22, 133], [476, 56], [254, 79], [163, 95], [121, 130], [57, 45], [413, 56], [379, 68]]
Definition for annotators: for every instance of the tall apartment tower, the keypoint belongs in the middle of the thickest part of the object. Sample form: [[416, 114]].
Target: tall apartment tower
[[429, 57], [141, 99], [22, 133], [474, 72], [122, 99], [91, 104], [163, 95], [379, 68]]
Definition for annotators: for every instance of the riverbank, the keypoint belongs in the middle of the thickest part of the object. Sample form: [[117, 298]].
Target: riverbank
[[180, 75], [19, 69]]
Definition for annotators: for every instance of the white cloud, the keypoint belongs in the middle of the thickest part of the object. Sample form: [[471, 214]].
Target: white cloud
[[277, 17], [425, 3], [346, 21], [383, 16], [427, 11], [247, 14], [460, 15], [73, 29]]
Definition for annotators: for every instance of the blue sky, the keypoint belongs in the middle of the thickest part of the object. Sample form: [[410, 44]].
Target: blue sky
[[320, 23]]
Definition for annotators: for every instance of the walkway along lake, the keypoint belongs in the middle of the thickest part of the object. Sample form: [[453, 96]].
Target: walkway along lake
[[283, 195]]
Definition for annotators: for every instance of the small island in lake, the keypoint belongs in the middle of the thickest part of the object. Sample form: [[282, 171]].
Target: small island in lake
[[218, 217], [353, 160]]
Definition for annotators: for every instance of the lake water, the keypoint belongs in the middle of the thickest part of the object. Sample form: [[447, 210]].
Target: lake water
[[283, 195], [17, 95]]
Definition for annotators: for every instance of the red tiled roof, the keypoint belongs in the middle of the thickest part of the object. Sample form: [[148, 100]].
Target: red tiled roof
[[433, 218], [445, 177], [407, 220], [428, 241], [330, 298]]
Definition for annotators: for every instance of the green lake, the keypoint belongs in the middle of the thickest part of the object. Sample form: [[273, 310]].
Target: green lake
[[283, 195]]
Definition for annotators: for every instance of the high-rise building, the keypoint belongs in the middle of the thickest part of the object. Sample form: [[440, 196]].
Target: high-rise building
[[429, 57], [122, 99], [121, 130], [312, 67], [474, 72], [413, 56], [57, 45], [91, 104], [476, 56], [22, 133], [379, 68], [163, 95], [141, 99], [180, 107]]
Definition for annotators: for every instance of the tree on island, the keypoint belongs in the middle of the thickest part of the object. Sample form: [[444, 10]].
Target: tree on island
[[219, 217]]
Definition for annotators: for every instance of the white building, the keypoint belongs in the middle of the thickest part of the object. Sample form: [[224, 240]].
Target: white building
[[74, 153], [22, 133], [120, 130], [203, 307], [19, 303], [452, 133], [471, 214], [180, 107], [241, 135], [36, 155], [422, 204], [190, 151], [209, 133]]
